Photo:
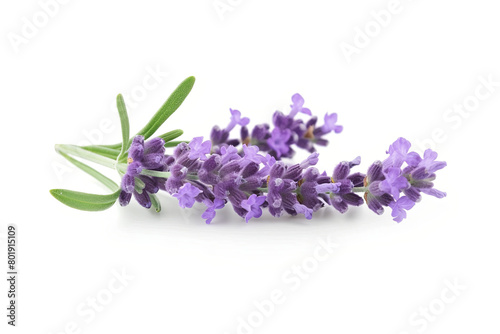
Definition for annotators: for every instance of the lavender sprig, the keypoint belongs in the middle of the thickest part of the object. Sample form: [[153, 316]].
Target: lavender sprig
[[247, 173]]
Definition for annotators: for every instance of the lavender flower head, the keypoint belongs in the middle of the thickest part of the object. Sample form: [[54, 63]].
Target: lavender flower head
[[280, 139], [401, 173], [142, 156]]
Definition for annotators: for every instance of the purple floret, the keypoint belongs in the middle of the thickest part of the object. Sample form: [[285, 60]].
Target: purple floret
[[253, 206], [400, 207], [186, 195]]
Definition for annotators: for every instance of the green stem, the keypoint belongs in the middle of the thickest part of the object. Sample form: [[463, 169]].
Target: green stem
[[359, 189], [85, 154], [155, 173]]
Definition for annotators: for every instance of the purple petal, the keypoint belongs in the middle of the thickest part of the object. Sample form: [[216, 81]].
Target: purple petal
[[186, 195], [298, 102], [327, 187], [236, 118], [252, 206], [310, 161], [330, 123], [209, 213], [300, 208], [434, 192], [413, 159], [199, 149]]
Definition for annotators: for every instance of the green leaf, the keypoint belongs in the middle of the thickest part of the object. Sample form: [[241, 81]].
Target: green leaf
[[169, 136], [155, 203], [112, 146], [86, 154], [122, 111], [168, 108], [104, 151], [175, 143], [92, 172], [84, 201]]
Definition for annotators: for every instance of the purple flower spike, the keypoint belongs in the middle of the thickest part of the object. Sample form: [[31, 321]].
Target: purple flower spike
[[278, 141], [399, 207], [219, 171], [199, 148], [298, 102], [186, 195], [253, 206]]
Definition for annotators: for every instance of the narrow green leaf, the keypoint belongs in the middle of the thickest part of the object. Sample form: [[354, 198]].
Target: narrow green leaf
[[155, 203], [122, 111], [85, 201], [175, 143], [168, 108], [112, 146], [171, 135], [103, 150], [92, 172], [86, 154]]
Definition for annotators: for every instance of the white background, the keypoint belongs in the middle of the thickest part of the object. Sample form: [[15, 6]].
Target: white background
[[189, 277]]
